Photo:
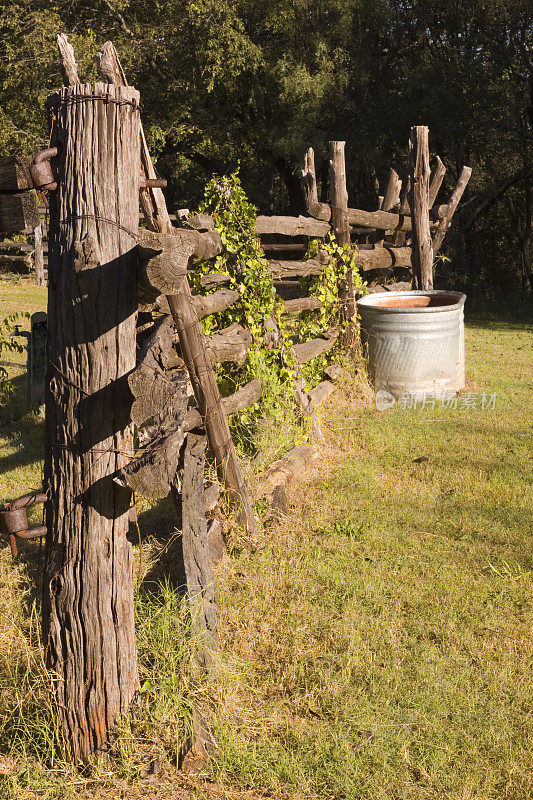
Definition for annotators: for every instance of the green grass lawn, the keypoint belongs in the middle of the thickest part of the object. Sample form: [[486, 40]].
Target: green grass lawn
[[396, 601], [21, 431], [378, 644]]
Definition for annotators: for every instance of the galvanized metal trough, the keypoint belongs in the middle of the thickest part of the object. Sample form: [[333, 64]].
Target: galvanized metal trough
[[415, 341]]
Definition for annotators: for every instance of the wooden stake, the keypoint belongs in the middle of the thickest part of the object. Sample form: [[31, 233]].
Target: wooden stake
[[419, 202], [339, 194], [153, 201], [88, 623], [339, 215], [451, 207], [314, 208], [38, 255], [37, 358], [207, 395], [201, 587], [404, 204], [68, 60], [399, 235], [391, 197], [435, 181]]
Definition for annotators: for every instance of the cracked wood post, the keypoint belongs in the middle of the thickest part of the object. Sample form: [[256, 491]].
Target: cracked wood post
[[339, 218], [391, 198], [435, 181], [419, 202], [399, 234], [201, 587], [451, 207], [209, 401], [152, 200], [38, 255], [309, 187], [68, 60], [88, 623], [190, 334]]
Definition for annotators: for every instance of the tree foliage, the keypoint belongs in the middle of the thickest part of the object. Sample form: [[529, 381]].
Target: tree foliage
[[254, 83]]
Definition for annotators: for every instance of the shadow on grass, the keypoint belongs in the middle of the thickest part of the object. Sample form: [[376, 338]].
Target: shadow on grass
[[14, 404], [167, 570], [160, 524], [27, 442], [505, 316], [159, 521], [31, 558]]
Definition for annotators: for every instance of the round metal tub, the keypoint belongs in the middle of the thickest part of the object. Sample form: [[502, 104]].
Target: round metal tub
[[415, 341]]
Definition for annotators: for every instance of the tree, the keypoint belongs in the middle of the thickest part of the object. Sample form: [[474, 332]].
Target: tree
[[256, 82]]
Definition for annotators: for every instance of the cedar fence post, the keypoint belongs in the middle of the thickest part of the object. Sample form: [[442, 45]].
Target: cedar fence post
[[339, 216], [37, 358], [435, 181], [308, 180], [451, 207], [391, 198], [38, 255], [419, 201], [88, 623]]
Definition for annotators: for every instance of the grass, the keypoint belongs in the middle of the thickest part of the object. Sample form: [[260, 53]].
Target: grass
[[394, 600], [377, 645]]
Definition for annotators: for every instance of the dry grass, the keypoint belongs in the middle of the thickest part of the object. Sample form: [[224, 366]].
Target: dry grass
[[377, 645], [395, 599]]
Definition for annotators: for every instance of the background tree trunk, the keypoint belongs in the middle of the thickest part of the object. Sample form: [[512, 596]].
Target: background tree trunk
[[88, 621]]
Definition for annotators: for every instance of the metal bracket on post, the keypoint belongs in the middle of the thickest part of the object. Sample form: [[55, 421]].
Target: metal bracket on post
[[41, 170], [14, 519], [43, 177], [152, 183]]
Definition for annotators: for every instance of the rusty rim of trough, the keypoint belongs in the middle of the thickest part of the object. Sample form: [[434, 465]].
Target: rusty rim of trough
[[434, 300]]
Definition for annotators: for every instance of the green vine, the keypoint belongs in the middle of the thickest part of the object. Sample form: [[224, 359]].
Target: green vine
[[259, 309], [7, 344], [327, 287]]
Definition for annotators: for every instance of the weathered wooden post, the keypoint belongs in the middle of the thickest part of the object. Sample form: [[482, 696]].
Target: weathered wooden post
[[435, 181], [38, 255], [36, 361], [338, 192], [309, 186], [451, 207], [92, 303], [339, 217], [391, 197], [201, 587], [419, 202]]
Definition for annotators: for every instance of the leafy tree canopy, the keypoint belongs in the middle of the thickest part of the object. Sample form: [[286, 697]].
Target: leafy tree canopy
[[254, 83]]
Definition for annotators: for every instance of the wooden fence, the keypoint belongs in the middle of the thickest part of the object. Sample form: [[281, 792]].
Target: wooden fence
[[102, 439]]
